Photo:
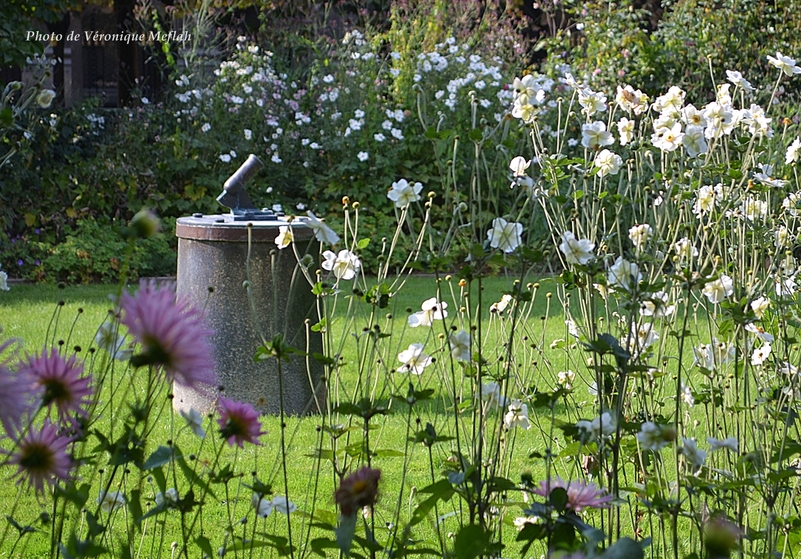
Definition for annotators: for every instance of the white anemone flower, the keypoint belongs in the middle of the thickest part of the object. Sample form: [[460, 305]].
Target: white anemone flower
[[729, 443], [602, 426], [517, 416], [263, 506], [460, 345], [625, 128], [345, 265], [738, 80], [759, 306], [576, 251], [170, 496], [501, 305], [285, 237], [793, 152], [322, 232], [607, 163], [431, 310], [696, 457], [110, 501], [639, 235], [194, 421], [624, 274], [492, 395], [109, 338], [785, 64], [717, 290], [403, 193], [283, 505], [414, 360], [505, 235], [518, 165], [651, 436], [595, 135]]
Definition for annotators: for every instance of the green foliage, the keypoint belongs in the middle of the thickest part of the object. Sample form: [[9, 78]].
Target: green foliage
[[92, 251], [652, 46]]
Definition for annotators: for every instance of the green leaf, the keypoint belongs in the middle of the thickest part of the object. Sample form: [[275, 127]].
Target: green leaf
[[162, 455], [624, 548], [320, 545], [345, 532], [473, 541], [6, 118], [363, 243], [205, 545], [440, 491]]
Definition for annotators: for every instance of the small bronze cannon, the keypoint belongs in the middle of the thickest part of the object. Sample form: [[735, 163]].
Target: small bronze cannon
[[235, 198]]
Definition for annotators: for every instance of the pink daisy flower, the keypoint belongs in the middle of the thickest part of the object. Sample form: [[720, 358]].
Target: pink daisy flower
[[580, 495], [239, 423], [172, 334], [41, 456], [16, 392], [59, 381]]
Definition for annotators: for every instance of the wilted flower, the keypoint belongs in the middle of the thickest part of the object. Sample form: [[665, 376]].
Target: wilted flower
[[239, 423], [358, 490], [576, 251], [60, 382], [517, 416], [345, 265], [403, 193], [460, 345], [45, 98], [580, 495], [41, 456], [717, 290], [322, 232], [414, 360], [505, 235], [171, 333], [432, 310], [111, 500]]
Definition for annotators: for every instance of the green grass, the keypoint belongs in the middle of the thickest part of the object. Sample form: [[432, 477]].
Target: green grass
[[30, 312]]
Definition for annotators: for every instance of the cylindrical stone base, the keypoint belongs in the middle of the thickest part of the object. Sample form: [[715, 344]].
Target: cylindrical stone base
[[214, 252]]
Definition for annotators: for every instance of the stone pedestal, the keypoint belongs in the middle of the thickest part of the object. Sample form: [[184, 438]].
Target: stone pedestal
[[217, 252]]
